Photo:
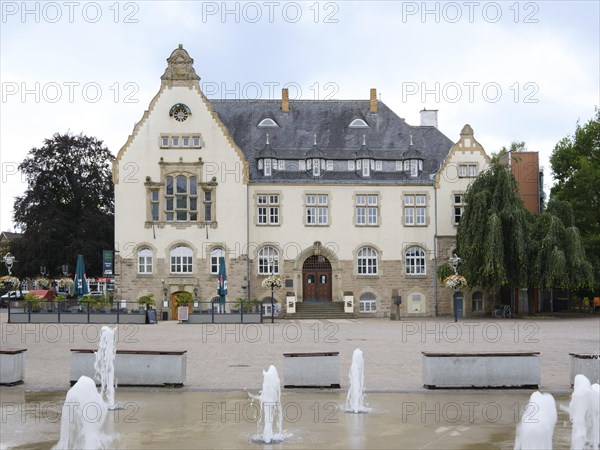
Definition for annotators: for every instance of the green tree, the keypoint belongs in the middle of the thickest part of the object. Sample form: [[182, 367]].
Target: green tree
[[493, 231], [68, 207], [575, 165]]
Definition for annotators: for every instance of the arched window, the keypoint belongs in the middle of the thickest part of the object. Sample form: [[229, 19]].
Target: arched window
[[215, 259], [267, 123], [268, 261], [415, 261], [145, 260], [477, 301], [181, 259], [366, 261], [368, 302], [358, 123]]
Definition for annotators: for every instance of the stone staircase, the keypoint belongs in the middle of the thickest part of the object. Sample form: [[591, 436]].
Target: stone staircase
[[320, 311]]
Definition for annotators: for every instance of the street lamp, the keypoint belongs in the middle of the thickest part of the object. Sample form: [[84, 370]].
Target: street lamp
[[9, 260], [272, 261], [455, 261], [196, 297], [165, 292]]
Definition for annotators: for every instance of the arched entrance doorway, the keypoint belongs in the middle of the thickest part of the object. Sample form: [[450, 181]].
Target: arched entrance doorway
[[174, 305], [316, 279]]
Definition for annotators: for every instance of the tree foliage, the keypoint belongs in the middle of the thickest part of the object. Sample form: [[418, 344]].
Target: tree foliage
[[492, 234], [68, 206], [575, 164]]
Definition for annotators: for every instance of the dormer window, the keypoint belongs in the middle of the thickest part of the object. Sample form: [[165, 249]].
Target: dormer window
[[358, 123], [267, 167], [366, 168], [413, 166], [316, 168], [267, 123]]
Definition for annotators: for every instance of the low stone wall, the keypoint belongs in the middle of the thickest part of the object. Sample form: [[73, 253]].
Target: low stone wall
[[78, 317], [481, 370], [135, 367], [311, 369], [12, 366], [587, 364], [225, 318]]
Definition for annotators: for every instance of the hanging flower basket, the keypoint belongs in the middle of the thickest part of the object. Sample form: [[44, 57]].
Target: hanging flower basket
[[270, 282], [455, 281], [42, 283], [65, 283], [9, 282]]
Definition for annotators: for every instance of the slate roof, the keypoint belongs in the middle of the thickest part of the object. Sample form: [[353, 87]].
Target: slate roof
[[387, 138]]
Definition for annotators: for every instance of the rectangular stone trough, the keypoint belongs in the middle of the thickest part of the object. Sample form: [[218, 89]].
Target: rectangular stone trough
[[12, 366], [587, 364], [320, 369], [481, 370], [135, 367]]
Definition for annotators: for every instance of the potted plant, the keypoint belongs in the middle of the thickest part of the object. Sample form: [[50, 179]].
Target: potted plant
[[147, 301], [94, 301], [34, 302], [184, 299]]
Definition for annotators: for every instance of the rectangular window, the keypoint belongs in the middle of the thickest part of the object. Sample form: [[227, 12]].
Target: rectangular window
[[472, 170], [185, 141], [267, 209], [301, 165], [351, 166], [366, 168], [378, 165], [267, 167], [458, 208], [368, 305], [398, 166], [154, 204], [175, 141], [317, 209], [196, 141], [367, 209], [467, 170], [329, 165], [281, 165], [415, 210], [208, 206], [164, 141], [316, 168]]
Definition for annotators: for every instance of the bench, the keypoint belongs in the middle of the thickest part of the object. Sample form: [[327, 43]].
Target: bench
[[12, 366], [481, 370], [587, 364], [321, 369], [135, 367]]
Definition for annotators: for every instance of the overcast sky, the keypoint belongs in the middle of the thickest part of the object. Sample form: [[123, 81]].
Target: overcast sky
[[525, 71]]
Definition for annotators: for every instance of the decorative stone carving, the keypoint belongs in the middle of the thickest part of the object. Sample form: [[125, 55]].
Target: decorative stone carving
[[180, 70]]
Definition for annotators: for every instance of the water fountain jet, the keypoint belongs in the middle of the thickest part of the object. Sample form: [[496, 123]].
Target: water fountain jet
[[536, 428], [356, 376], [104, 366], [270, 407]]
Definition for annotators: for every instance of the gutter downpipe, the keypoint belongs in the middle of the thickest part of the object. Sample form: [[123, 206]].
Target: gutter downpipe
[[435, 237]]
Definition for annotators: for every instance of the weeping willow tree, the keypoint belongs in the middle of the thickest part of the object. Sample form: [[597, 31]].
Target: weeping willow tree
[[559, 259], [493, 231]]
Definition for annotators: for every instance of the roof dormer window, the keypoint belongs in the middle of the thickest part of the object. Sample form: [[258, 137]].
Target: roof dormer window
[[358, 123], [267, 123]]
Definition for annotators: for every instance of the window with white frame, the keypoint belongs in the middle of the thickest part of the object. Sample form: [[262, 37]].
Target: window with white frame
[[216, 256], [267, 167], [181, 259], [268, 261], [378, 165], [415, 209], [196, 142], [459, 208], [366, 168], [413, 166], [316, 168], [317, 209], [281, 164], [185, 141], [175, 141], [267, 209], [351, 165], [181, 198], [399, 166], [145, 261], [467, 170], [366, 261], [368, 302], [329, 165], [367, 209], [477, 301], [414, 261], [267, 123], [164, 141]]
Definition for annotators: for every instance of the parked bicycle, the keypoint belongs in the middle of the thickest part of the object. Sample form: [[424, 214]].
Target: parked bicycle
[[502, 312]]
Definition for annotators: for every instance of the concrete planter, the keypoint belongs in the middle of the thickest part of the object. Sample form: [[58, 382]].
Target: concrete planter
[[224, 318], [311, 369], [12, 366], [585, 364], [135, 367], [78, 317], [481, 370]]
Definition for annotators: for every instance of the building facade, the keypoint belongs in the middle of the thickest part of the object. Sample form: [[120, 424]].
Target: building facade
[[338, 198]]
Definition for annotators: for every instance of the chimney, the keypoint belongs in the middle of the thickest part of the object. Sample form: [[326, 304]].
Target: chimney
[[285, 100], [373, 101], [429, 118]]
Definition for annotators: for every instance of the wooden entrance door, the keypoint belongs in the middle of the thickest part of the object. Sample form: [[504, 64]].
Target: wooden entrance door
[[316, 279], [174, 314]]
